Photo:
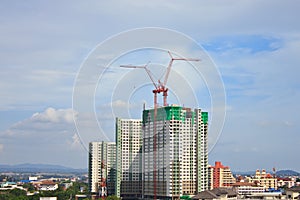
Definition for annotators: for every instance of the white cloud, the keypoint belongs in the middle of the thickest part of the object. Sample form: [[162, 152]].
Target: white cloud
[[55, 116], [46, 132], [49, 122], [120, 103]]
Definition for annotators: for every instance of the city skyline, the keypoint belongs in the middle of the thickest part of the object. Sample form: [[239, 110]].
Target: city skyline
[[253, 44]]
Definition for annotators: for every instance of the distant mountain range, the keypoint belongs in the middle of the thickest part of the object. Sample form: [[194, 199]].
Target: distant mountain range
[[27, 167], [286, 172], [35, 168]]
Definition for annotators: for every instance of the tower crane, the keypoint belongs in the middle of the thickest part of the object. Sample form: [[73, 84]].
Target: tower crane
[[158, 88], [163, 85]]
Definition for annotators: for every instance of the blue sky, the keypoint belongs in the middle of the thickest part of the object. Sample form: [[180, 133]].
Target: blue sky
[[254, 44]]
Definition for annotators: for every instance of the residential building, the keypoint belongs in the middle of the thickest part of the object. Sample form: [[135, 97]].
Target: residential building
[[264, 195], [265, 179], [293, 193], [129, 158], [10, 186], [216, 193], [287, 182], [102, 167], [246, 188], [33, 178], [47, 185], [175, 154], [220, 176]]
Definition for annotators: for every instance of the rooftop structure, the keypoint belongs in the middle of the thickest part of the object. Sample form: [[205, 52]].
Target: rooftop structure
[[216, 193]]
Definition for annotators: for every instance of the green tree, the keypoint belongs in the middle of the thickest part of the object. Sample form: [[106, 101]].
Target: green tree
[[18, 192], [29, 187], [5, 196], [15, 194], [112, 197], [21, 198], [34, 197]]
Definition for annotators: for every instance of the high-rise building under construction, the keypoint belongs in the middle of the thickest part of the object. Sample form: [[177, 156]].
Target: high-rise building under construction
[[175, 152], [162, 156]]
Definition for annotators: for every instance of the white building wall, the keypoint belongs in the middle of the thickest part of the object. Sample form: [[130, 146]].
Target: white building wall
[[129, 142], [181, 158], [101, 152]]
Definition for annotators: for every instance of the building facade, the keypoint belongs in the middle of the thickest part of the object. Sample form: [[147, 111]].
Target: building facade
[[102, 168], [175, 154], [287, 182], [129, 158], [246, 188], [220, 176], [264, 179]]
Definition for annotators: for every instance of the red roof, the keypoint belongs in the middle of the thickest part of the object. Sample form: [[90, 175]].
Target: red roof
[[269, 176], [48, 182], [243, 184]]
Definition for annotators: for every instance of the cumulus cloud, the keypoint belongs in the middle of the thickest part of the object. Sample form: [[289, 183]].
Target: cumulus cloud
[[55, 115], [49, 122], [51, 132]]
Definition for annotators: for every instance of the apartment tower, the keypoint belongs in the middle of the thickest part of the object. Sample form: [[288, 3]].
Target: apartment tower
[[129, 158], [175, 152], [102, 167]]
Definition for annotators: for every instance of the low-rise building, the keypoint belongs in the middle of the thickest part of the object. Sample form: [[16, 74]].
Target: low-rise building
[[216, 193], [264, 195], [245, 188], [8, 184], [293, 193], [33, 178], [286, 182], [47, 185]]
